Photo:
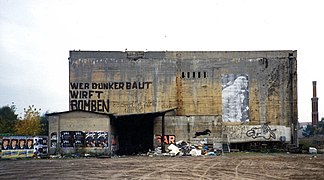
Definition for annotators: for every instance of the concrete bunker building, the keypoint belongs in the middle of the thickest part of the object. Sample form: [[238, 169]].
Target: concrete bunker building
[[245, 98]]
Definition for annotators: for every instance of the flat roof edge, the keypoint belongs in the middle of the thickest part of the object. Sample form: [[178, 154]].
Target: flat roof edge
[[147, 113], [65, 112]]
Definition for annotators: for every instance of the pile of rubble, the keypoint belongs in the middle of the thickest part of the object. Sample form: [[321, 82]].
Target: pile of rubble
[[182, 148]]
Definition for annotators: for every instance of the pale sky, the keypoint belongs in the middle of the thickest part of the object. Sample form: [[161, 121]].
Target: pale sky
[[36, 36]]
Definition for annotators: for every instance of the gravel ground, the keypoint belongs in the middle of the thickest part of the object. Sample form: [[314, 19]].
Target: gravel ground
[[229, 166]]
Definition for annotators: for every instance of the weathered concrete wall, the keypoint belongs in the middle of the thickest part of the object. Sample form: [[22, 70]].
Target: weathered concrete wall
[[77, 121], [251, 87], [133, 86], [140, 82], [185, 127]]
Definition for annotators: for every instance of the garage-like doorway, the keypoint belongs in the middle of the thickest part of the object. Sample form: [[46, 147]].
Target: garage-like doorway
[[135, 133]]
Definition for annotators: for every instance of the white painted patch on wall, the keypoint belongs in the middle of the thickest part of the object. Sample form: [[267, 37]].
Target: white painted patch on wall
[[235, 97]]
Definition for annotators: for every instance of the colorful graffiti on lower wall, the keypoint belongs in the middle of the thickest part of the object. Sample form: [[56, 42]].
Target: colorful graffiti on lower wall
[[264, 132], [22, 146]]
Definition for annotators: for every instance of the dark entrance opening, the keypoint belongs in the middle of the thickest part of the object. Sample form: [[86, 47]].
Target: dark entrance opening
[[135, 133]]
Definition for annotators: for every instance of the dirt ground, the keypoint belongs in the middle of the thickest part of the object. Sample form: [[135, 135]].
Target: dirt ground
[[229, 166]]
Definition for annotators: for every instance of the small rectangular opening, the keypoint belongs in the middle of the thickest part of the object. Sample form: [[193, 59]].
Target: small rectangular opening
[[198, 74], [188, 74], [194, 74], [183, 75], [205, 74]]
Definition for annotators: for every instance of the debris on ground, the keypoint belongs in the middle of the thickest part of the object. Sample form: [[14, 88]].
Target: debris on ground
[[312, 150], [174, 150], [183, 148]]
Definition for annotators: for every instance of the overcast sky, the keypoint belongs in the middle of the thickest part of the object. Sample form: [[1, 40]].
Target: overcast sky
[[36, 36]]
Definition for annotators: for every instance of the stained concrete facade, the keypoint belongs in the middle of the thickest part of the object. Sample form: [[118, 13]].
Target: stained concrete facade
[[73, 123], [242, 96]]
